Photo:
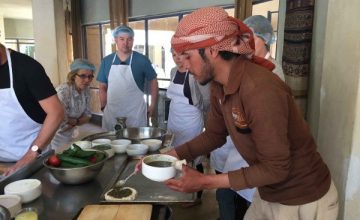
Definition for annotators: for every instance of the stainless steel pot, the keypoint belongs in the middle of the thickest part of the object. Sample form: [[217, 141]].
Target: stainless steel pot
[[135, 134], [141, 133]]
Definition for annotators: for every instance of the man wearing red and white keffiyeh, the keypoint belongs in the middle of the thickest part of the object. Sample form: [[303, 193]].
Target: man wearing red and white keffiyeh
[[256, 108]]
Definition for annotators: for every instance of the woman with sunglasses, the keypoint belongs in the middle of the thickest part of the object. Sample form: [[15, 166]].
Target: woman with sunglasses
[[75, 97]]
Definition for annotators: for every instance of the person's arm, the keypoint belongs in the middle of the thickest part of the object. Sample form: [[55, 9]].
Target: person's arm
[[102, 78], [85, 117], [154, 91], [193, 181], [103, 95], [54, 116]]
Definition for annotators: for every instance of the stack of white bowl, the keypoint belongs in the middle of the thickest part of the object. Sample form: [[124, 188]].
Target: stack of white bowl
[[18, 192]]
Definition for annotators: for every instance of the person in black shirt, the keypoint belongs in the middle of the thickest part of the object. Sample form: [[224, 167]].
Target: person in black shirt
[[30, 109]]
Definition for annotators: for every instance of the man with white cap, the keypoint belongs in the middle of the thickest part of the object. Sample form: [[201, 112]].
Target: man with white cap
[[122, 77], [257, 110]]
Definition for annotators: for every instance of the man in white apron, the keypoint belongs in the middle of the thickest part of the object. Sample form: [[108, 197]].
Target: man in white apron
[[21, 138], [121, 77]]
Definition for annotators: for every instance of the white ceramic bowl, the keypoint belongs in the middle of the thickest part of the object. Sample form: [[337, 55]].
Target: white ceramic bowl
[[154, 171], [27, 189], [12, 203], [120, 145], [154, 144], [100, 141], [137, 149], [105, 147], [83, 144]]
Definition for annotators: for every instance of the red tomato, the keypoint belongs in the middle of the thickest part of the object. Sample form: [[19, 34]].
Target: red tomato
[[54, 161], [92, 159]]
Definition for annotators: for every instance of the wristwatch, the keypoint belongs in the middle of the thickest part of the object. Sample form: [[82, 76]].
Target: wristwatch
[[36, 148]]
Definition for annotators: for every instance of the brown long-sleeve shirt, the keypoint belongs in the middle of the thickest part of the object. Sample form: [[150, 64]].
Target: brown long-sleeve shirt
[[259, 113]]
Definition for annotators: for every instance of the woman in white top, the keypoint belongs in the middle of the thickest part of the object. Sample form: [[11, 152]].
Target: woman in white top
[[75, 97]]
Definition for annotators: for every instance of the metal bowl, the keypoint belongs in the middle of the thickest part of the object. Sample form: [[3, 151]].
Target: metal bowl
[[76, 175], [141, 133]]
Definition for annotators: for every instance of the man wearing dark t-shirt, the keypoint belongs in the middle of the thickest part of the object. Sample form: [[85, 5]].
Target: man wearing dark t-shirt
[[31, 111]]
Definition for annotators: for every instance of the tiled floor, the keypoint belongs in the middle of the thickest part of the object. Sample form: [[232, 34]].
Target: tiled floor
[[208, 208]]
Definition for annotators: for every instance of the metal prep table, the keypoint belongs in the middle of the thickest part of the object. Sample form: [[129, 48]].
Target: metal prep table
[[62, 202]]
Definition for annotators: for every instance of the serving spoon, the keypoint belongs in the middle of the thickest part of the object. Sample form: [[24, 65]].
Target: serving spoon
[[120, 183]]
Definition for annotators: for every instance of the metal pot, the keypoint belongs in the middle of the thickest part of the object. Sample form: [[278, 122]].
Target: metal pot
[[135, 134], [141, 133]]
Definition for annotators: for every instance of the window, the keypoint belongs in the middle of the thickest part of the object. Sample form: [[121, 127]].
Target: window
[[25, 46], [153, 35], [160, 32]]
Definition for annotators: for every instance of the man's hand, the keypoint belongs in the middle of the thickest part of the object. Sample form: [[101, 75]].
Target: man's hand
[[27, 158], [190, 181]]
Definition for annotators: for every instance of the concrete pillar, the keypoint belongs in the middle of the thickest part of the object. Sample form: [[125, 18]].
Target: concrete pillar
[[50, 38], [335, 97]]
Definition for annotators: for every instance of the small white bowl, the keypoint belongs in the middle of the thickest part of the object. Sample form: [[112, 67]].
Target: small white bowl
[[100, 141], [105, 147], [83, 144], [137, 149], [120, 145], [154, 144], [27, 189], [156, 172], [12, 203]]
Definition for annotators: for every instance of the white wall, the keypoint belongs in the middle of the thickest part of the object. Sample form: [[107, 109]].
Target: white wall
[[334, 97], [95, 11], [49, 36], [2, 29], [18, 28]]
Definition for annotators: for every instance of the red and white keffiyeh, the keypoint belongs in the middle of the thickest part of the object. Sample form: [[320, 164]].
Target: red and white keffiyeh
[[213, 27]]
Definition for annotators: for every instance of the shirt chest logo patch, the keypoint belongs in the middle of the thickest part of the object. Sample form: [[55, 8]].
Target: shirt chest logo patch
[[240, 122]]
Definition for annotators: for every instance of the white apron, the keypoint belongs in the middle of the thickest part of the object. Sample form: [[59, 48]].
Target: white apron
[[17, 129], [124, 98], [235, 161], [185, 121], [62, 137], [219, 156]]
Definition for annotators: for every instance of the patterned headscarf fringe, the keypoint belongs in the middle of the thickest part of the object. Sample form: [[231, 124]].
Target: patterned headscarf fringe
[[212, 27]]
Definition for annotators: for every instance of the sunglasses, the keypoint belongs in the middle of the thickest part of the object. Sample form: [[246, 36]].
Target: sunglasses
[[84, 76]]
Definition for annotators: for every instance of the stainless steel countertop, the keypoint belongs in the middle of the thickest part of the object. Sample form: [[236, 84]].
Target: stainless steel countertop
[[60, 201]]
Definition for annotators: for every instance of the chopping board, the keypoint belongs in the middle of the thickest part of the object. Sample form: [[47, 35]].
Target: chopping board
[[116, 212]]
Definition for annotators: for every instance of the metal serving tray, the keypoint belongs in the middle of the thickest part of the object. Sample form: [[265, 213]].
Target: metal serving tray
[[149, 191]]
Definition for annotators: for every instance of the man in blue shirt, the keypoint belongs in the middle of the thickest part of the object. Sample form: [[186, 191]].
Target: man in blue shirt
[[122, 78]]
